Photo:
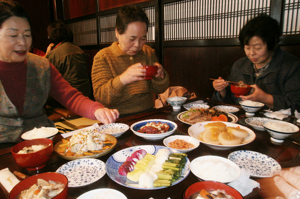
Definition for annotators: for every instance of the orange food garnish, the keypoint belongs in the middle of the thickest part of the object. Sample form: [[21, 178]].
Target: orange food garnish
[[204, 193], [221, 117], [180, 144]]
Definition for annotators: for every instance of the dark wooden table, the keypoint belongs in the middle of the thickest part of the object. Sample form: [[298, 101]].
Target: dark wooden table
[[286, 154]]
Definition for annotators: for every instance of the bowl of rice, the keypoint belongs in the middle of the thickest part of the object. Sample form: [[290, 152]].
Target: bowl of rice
[[114, 129], [251, 106], [215, 168], [280, 130]]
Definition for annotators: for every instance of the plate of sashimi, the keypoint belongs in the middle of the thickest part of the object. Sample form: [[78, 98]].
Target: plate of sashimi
[[148, 167]]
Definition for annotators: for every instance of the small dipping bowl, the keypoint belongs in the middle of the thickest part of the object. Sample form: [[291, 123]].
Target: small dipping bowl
[[176, 102], [36, 160], [238, 89], [150, 71]]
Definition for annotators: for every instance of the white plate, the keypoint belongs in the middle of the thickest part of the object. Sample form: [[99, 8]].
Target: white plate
[[231, 118], [196, 129], [227, 109], [83, 171], [106, 192], [136, 126], [43, 132], [256, 164], [256, 122], [115, 129], [214, 163], [117, 159]]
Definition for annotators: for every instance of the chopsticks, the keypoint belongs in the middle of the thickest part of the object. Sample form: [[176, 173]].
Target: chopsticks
[[230, 82]]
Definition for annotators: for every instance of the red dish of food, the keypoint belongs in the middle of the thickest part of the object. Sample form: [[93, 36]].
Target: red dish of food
[[35, 160], [154, 128], [150, 71], [28, 182], [195, 189], [240, 89]]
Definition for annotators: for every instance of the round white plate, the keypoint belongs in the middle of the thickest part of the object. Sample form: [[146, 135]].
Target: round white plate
[[256, 164], [105, 192], [43, 132], [117, 159], [115, 129], [257, 122], [83, 171], [197, 128], [227, 109], [231, 118]]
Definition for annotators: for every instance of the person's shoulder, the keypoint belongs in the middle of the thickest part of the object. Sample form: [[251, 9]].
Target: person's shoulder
[[107, 51], [147, 48], [37, 60]]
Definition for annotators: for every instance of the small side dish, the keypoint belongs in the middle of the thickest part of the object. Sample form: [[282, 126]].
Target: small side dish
[[181, 143]]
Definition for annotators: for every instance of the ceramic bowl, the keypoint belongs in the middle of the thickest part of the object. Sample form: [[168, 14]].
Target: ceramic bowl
[[251, 106], [176, 102], [36, 160], [280, 130], [138, 125], [43, 132], [115, 129], [28, 182], [215, 168], [150, 71], [238, 90], [193, 190], [256, 122], [186, 138]]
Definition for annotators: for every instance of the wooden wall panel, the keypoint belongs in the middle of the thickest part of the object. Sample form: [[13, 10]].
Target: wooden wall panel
[[191, 67], [109, 4], [79, 8]]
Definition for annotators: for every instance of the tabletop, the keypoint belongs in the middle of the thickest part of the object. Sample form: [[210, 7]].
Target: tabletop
[[287, 155]]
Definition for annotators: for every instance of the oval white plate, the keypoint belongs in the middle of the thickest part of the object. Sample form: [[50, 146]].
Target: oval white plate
[[256, 122], [196, 129], [231, 118], [195, 165], [256, 164], [227, 109], [105, 192], [115, 129], [117, 159], [83, 171], [43, 132]]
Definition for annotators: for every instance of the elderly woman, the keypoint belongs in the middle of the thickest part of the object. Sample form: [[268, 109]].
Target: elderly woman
[[118, 77], [273, 74], [26, 81]]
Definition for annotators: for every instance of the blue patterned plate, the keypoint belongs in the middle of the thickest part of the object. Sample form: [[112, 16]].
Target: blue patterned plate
[[115, 129], [256, 164], [82, 172], [117, 159], [227, 109]]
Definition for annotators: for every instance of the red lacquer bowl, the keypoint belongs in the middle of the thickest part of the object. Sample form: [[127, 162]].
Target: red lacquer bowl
[[210, 186], [238, 90], [36, 160], [150, 71], [28, 182]]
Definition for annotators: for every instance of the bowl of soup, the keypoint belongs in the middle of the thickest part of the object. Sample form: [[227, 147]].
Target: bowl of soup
[[150, 71]]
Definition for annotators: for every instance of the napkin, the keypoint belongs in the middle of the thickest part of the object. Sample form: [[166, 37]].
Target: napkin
[[65, 135], [7, 179], [281, 114], [244, 184]]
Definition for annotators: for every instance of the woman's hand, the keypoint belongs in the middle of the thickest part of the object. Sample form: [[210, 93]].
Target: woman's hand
[[220, 86], [135, 72], [289, 182], [106, 116], [259, 96], [49, 48], [160, 70]]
